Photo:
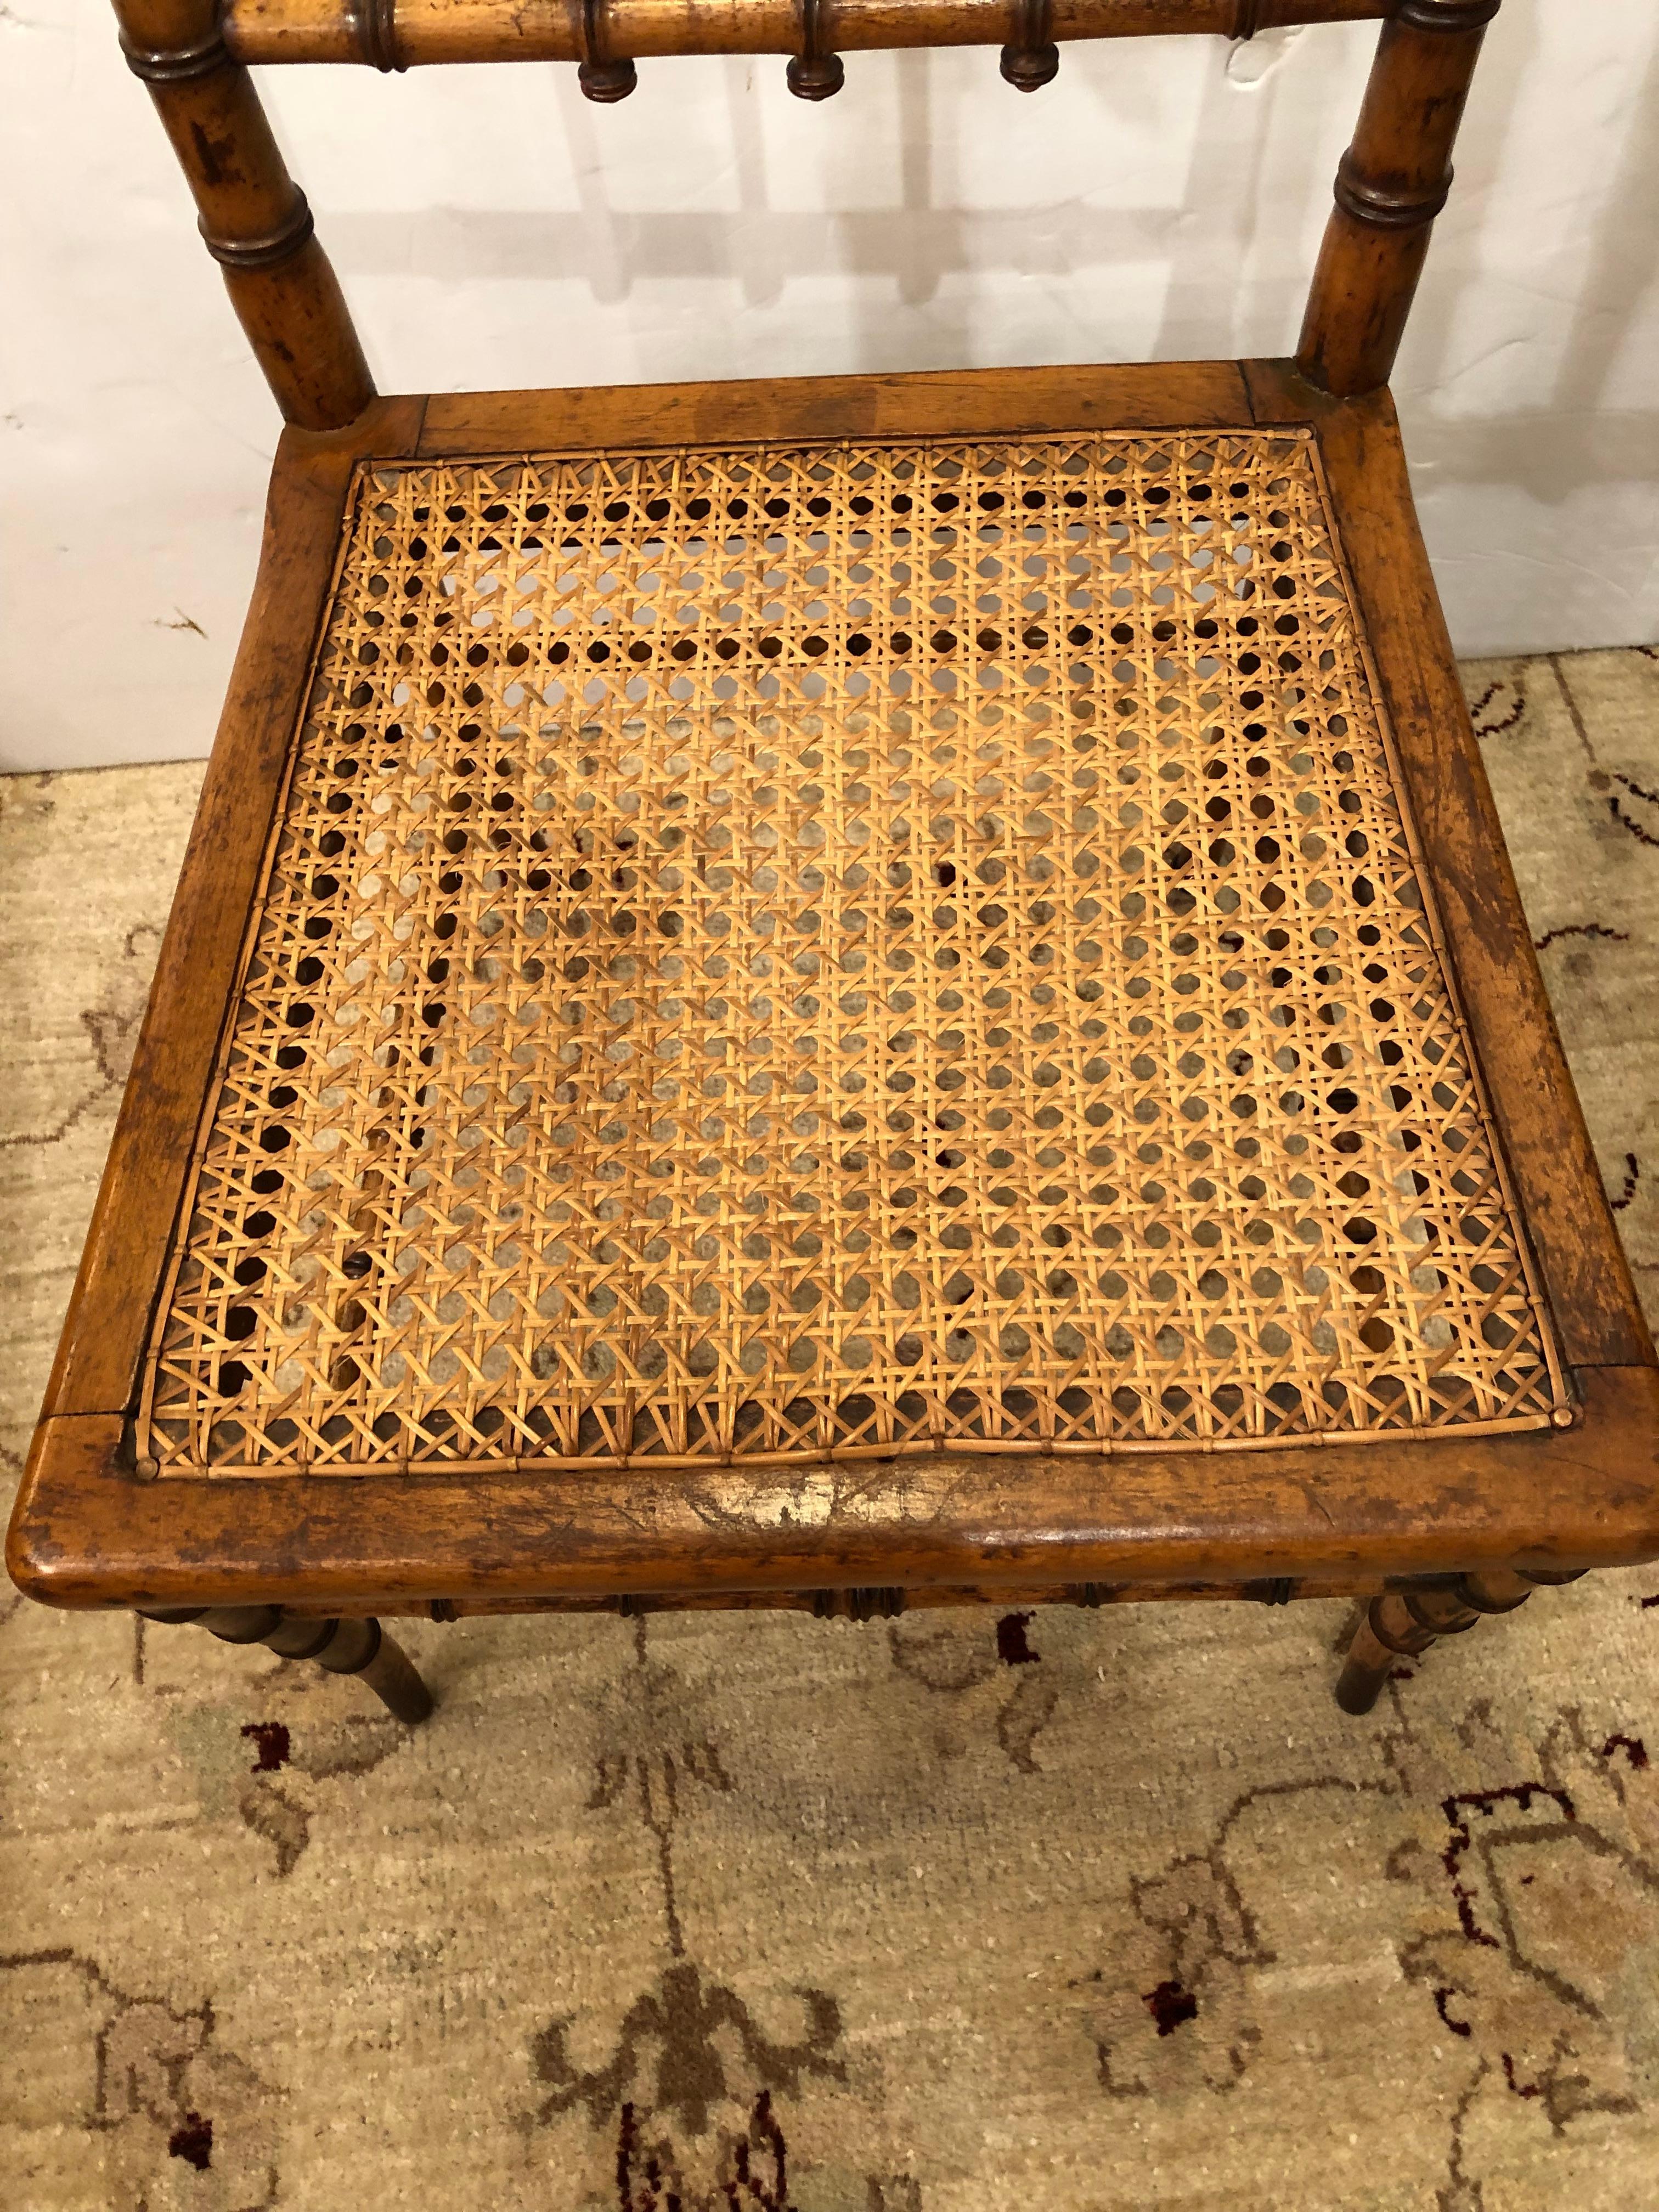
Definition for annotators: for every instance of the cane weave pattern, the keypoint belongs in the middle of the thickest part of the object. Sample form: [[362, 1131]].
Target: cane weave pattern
[[843, 949]]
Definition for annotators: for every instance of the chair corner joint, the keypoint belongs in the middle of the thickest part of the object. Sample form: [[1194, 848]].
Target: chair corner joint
[[177, 65]]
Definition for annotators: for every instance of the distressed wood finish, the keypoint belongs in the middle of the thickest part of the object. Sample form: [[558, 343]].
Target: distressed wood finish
[[1586, 1274], [103, 1341], [1392, 183], [1197, 395], [408, 33], [86, 1532], [1435, 1533], [89, 1530], [254, 218]]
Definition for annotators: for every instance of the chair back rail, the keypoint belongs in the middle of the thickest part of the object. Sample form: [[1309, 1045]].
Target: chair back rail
[[193, 55], [404, 33]]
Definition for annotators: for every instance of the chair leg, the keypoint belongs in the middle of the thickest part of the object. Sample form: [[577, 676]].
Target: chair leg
[[1403, 1625], [344, 1647]]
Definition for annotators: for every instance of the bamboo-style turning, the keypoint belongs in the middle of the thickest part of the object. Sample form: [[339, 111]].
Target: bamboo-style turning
[[1392, 183], [1402, 1625], [254, 218], [359, 1647], [952, 923], [405, 33], [258, 226]]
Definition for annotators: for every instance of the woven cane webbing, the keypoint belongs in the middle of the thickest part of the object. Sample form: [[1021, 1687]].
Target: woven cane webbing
[[847, 948]]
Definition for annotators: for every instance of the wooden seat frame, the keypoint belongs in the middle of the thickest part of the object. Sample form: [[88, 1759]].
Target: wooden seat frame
[[1432, 1532]]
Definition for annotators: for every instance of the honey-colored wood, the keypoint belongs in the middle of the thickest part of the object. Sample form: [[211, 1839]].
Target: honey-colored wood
[[254, 219], [1435, 1531], [87, 1532], [1586, 1276], [258, 225], [1391, 185], [98, 1356], [1198, 395], [413, 32]]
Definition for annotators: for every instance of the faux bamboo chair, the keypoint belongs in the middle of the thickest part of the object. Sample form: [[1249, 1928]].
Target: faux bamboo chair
[[849, 993]]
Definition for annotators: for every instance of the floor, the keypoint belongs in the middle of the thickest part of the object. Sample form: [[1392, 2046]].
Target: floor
[[1050, 1914]]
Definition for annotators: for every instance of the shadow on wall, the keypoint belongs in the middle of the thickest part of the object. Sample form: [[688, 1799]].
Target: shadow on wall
[[1229, 223], [1552, 451], [1621, 264], [912, 248]]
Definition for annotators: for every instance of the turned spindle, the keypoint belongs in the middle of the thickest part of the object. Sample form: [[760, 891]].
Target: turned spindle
[[814, 74], [343, 1647], [1032, 59], [1402, 1625], [1390, 185], [602, 75], [254, 220]]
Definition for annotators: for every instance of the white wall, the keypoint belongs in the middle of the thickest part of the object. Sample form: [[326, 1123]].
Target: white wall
[[492, 228]]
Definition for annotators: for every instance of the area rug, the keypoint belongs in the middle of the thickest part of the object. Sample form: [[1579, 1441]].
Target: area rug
[[1048, 1912]]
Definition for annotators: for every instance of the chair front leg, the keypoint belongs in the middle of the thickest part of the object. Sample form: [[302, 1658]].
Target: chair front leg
[[342, 1646], [1402, 1625]]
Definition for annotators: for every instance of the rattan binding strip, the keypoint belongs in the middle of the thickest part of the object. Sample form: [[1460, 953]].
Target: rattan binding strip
[[838, 950]]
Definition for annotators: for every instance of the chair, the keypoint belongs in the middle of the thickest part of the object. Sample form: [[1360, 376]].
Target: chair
[[849, 993]]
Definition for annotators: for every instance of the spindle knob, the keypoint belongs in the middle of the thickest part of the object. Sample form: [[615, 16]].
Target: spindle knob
[[607, 82], [819, 76], [1032, 59], [813, 74], [601, 77], [1027, 68]]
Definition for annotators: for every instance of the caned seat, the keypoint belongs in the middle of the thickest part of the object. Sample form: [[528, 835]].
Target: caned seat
[[841, 993], [842, 948]]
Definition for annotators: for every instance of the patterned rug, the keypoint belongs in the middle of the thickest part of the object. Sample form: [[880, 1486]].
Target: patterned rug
[[1060, 1912]]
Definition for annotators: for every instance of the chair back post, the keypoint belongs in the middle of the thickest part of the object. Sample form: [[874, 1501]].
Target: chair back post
[[254, 219], [1390, 185], [257, 225]]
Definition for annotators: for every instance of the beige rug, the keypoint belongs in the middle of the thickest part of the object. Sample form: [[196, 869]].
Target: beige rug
[[1055, 1914]]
